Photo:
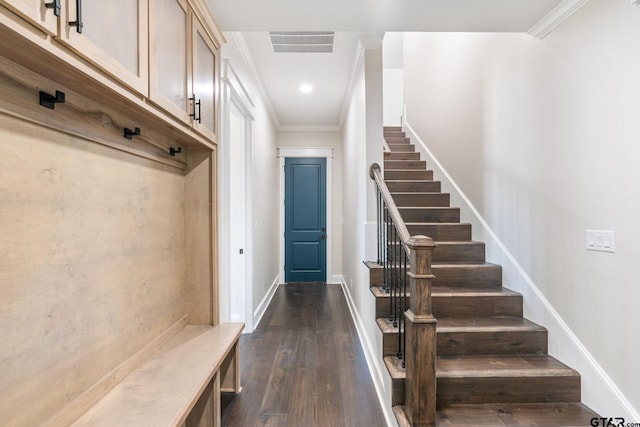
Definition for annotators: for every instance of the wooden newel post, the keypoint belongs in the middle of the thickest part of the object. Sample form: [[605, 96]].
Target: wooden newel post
[[420, 330]]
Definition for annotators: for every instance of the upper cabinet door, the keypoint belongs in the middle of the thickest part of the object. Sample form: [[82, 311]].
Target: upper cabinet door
[[204, 81], [113, 36], [41, 13], [168, 56]]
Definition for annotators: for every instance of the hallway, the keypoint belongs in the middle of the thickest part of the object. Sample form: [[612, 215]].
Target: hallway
[[304, 366]]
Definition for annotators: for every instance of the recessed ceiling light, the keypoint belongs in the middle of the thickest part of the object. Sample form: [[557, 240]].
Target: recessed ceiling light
[[306, 88]]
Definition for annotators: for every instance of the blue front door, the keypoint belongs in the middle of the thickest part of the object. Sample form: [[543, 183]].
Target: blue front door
[[305, 220]]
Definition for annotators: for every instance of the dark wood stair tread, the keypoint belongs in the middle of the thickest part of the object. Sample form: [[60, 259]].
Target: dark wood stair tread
[[445, 291], [490, 366], [468, 291], [486, 324], [503, 366]]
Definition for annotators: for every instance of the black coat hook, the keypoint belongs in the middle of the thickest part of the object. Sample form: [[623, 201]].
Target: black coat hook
[[128, 133], [174, 151], [49, 101]]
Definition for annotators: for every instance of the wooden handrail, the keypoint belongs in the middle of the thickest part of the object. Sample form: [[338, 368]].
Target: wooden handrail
[[420, 326], [376, 174]]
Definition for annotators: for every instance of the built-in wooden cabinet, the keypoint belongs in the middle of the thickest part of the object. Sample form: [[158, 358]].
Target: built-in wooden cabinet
[[183, 65], [41, 13], [114, 37], [164, 53], [169, 58], [204, 80]]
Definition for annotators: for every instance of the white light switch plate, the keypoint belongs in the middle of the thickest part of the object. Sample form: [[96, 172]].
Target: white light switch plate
[[601, 240]]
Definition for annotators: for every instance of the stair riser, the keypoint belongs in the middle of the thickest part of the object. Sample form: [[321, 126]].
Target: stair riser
[[383, 309], [459, 252], [476, 306], [505, 342], [470, 253], [484, 276], [430, 215], [390, 344], [402, 156], [397, 392], [396, 139], [464, 307], [402, 148], [508, 390], [442, 232], [421, 200], [405, 164], [468, 343], [408, 174], [414, 186]]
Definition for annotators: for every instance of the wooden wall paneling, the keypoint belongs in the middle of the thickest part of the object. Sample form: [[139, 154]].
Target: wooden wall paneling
[[78, 116], [78, 406], [198, 221], [215, 269], [92, 264]]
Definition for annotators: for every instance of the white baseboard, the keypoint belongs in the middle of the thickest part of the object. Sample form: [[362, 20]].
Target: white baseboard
[[262, 307], [374, 360], [598, 389]]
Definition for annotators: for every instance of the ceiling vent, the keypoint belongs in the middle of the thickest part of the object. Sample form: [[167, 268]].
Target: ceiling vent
[[302, 41]]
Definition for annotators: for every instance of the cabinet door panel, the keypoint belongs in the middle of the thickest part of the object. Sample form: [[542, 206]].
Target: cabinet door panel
[[168, 48], [205, 56], [36, 13], [113, 37]]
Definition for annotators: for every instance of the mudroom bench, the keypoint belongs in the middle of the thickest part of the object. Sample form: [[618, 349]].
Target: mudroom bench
[[178, 386]]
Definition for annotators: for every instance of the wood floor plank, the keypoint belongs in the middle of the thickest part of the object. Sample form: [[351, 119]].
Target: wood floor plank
[[303, 366]]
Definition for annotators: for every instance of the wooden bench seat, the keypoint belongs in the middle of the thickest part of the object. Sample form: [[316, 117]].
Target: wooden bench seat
[[178, 386]]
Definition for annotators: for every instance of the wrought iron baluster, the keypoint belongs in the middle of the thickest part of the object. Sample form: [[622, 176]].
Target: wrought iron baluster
[[405, 306]]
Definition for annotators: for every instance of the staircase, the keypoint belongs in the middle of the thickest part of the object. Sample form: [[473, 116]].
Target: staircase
[[492, 366]]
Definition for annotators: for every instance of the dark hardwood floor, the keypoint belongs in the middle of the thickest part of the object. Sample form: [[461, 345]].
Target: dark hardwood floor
[[304, 366]]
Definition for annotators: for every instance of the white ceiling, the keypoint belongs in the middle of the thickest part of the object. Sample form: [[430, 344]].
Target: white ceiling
[[330, 74]]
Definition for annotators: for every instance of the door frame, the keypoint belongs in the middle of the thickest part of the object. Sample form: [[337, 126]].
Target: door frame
[[233, 92], [327, 154]]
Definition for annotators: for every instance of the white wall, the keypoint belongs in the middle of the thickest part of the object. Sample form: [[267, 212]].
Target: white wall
[[264, 179], [324, 139], [356, 182], [392, 76], [549, 131]]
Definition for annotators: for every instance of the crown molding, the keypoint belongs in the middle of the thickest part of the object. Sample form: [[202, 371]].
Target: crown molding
[[556, 17], [255, 75]]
